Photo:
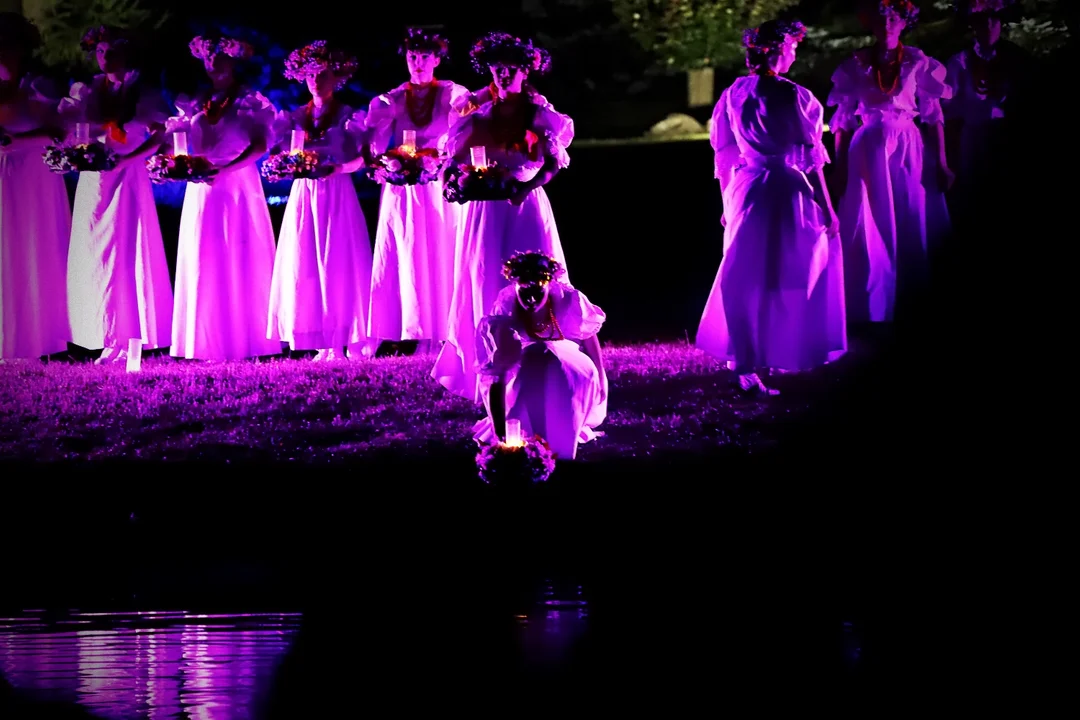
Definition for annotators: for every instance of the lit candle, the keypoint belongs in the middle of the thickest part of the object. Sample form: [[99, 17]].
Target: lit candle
[[298, 137], [82, 133], [134, 358], [179, 144], [479, 156], [408, 141], [513, 433]]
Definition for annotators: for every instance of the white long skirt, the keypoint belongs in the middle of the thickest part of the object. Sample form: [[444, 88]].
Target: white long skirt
[[490, 232], [778, 298], [319, 292], [118, 277], [888, 217], [412, 281], [224, 263], [35, 229], [555, 391]]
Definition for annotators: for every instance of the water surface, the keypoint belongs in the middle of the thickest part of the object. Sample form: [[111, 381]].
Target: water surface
[[152, 665]]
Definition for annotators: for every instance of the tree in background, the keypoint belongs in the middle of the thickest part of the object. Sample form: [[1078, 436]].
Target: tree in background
[[695, 36], [63, 22]]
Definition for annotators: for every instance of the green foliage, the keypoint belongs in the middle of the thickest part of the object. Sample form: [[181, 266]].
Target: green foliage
[[689, 34], [63, 23]]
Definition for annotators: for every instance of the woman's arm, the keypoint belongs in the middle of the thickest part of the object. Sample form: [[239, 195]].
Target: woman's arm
[[945, 175], [31, 136], [251, 153], [824, 200], [549, 170], [151, 145], [841, 144], [591, 347]]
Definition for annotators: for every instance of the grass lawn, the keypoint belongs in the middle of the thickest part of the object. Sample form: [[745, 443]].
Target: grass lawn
[[665, 398]]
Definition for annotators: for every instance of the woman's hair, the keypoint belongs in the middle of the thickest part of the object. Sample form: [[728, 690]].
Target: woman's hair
[[420, 40], [764, 41], [18, 32], [316, 57], [531, 267], [206, 47], [499, 48], [906, 9]]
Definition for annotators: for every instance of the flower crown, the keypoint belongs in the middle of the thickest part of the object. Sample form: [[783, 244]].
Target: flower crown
[[420, 40], [531, 266], [206, 48], [316, 57], [103, 34], [770, 37], [905, 9], [499, 48]]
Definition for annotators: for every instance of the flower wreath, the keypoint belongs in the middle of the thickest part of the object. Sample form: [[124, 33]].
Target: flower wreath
[[103, 34], [205, 48], [905, 9], [531, 267], [420, 40], [316, 57], [499, 48], [768, 38]]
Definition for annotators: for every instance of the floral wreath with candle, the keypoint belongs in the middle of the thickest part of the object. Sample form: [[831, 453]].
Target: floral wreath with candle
[[531, 267], [206, 48], [421, 41], [499, 48], [316, 57], [769, 39]]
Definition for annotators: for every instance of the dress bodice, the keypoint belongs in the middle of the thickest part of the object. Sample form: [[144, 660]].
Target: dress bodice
[[401, 109], [121, 114], [221, 128], [336, 136]]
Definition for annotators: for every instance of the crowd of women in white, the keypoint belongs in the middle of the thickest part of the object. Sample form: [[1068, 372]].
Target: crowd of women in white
[[97, 276]]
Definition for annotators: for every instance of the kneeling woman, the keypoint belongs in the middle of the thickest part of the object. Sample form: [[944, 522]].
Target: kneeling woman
[[539, 359], [778, 299]]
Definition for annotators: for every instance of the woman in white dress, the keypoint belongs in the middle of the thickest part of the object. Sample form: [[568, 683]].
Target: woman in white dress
[[522, 132], [35, 216], [412, 281], [778, 299], [540, 359], [119, 293], [319, 293], [225, 255], [893, 207]]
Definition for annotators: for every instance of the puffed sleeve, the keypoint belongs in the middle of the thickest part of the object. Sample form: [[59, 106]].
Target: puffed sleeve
[[73, 107], [930, 89], [151, 109], [955, 73], [356, 129], [845, 96], [811, 155], [186, 108], [282, 127], [460, 97], [581, 319], [258, 114], [379, 121], [44, 99], [726, 153], [556, 131]]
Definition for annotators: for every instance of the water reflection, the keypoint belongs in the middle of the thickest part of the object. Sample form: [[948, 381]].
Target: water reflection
[[556, 625], [152, 665]]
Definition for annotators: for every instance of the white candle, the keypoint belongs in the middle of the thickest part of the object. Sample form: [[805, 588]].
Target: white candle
[[298, 137], [479, 156], [408, 141], [179, 143], [82, 133], [134, 358], [513, 433]]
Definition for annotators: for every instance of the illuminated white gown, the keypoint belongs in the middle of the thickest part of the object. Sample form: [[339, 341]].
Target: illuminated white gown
[[778, 299], [118, 277], [892, 210], [412, 281], [552, 386], [225, 255], [491, 231], [319, 293], [35, 229]]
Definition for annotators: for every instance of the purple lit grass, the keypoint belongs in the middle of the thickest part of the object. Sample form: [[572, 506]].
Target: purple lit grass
[[663, 397]]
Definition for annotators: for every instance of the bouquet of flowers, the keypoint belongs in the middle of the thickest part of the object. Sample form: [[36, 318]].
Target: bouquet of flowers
[[397, 167], [533, 460], [467, 183], [84, 157], [291, 166], [165, 167]]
